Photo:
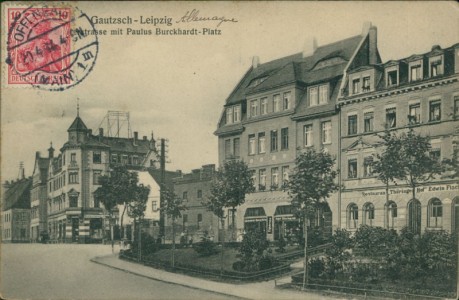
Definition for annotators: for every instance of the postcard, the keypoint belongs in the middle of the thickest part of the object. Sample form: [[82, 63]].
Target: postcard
[[177, 92]]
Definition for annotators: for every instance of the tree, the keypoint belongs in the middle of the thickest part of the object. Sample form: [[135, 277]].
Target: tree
[[231, 183], [387, 165], [312, 182], [117, 188], [137, 207], [172, 207]]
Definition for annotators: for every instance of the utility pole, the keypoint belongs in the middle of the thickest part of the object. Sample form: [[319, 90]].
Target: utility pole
[[162, 220]]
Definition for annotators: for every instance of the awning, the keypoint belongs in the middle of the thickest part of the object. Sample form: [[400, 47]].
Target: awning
[[284, 210], [255, 212]]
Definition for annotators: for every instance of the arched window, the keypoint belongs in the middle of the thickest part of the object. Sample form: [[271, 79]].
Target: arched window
[[352, 216], [455, 214], [368, 214], [435, 213], [414, 216], [392, 214]]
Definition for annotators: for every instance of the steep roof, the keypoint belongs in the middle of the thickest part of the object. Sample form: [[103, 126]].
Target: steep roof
[[169, 176], [78, 125], [296, 68], [18, 194], [118, 144]]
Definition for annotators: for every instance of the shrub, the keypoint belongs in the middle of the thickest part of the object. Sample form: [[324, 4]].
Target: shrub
[[316, 267], [254, 252], [239, 266], [281, 243], [149, 245], [205, 247]]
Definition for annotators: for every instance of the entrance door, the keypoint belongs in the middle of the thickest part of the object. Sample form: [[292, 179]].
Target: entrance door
[[414, 216], [75, 225]]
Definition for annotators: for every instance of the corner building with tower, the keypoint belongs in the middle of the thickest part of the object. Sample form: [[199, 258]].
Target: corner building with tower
[[313, 99]]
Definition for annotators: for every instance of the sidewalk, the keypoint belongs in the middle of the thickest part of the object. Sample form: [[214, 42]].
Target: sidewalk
[[259, 290]]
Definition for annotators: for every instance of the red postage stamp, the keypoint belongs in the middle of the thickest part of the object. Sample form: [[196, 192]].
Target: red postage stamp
[[39, 40], [52, 48]]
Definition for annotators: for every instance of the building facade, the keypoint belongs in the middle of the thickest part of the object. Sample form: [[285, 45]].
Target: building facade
[[279, 109], [16, 211], [337, 98], [196, 220], [74, 215], [420, 92]]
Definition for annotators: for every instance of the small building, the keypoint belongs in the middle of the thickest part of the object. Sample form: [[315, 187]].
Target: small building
[[196, 220], [16, 211]]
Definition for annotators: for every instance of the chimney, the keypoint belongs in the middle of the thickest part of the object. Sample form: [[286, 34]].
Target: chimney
[[144, 138], [51, 151], [366, 28], [101, 132], [373, 45], [89, 132], [37, 154], [255, 62], [310, 47], [136, 137]]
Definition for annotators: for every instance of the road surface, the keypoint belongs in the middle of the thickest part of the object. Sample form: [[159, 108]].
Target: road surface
[[64, 271]]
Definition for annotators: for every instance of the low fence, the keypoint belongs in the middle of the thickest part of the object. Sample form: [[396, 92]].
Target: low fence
[[368, 291], [214, 274]]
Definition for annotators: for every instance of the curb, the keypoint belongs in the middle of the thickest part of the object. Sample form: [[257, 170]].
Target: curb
[[95, 260]]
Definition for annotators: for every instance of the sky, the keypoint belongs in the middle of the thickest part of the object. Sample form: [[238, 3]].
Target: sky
[[176, 86]]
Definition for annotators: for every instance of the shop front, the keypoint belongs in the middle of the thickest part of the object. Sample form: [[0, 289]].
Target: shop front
[[255, 220], [286, 225]]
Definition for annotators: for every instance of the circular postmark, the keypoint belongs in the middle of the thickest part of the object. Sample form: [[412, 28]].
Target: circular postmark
[[51, 48]]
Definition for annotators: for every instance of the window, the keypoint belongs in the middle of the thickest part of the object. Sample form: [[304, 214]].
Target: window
[[435, 213], [284, 138], [391, 118], [73, 177], [274, 178], [273, 140], [228, 153], [352, 124], [285, 173], [135, 160], [254, 179], [368, 166], [435, 154], [185, 196], [236, 147], [436, 67], [154, 205], [185, 221], [352, 168], [253, 108], [276, 103], [262, 179], [368, 214], [323, 94], [114, 158], [366, 84], [307, 135], [392, 214], [264, 106], [229, 115], [199, 194], [326, 132], [237, 114], [355, 86], [73, 201], [456, 106], [313, 96], [96, 157], [73, 157], [435, 110], [287, 100], [392, 78], [124, 159], [415, 114], [368, 119], [415, 72], [261, 142], [252, 144], [96, 176], [353, 216], [199, 221]]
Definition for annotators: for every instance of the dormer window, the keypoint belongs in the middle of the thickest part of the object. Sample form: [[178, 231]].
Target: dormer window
[[366, 84], [392, 78], [356, 86], [415, 72], [264, 106], [253, 108], [436, 66], [233, 114], [318, 95], [287, 100], [237, 114], [229, 115], [276, 103]]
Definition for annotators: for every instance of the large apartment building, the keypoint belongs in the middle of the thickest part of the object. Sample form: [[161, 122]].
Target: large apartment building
[[420, 92], [73, 214], [313, 99]]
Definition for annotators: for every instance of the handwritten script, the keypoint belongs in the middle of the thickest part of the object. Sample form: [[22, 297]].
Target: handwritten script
[[194, 16]]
